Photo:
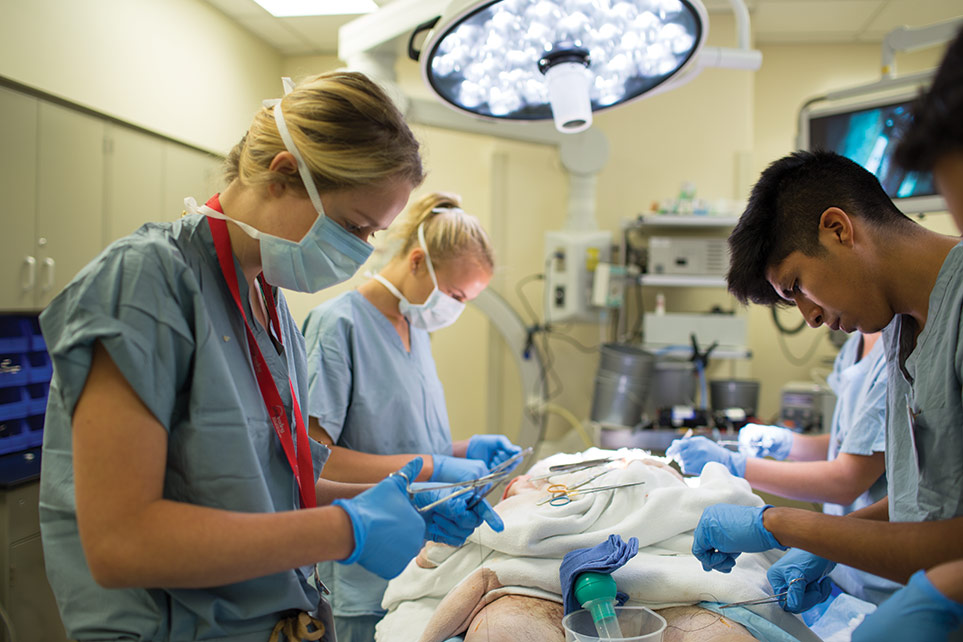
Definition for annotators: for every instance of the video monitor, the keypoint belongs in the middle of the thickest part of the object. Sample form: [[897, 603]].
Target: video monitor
[[868, 133]]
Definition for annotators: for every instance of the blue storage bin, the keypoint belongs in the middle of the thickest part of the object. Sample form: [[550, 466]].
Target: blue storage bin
[[14, 334], [37, 342], [39, 367], [13, 370], [37, 398], [33, 431], [13, 436], [13, 403]]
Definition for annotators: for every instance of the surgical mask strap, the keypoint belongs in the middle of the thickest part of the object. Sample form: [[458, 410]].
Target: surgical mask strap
[[306, 178], [424, 246], [192, 207], [390, 287]]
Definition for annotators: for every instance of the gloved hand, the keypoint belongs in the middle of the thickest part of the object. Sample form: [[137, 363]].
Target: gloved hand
[[491, 449], [812, 586], [695, 452], [388, 531], [456, 469], [918, 611], [757, 440], [725, 531], [451, 522]]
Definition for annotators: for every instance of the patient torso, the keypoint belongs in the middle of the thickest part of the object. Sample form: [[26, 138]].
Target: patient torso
[[519, 618]]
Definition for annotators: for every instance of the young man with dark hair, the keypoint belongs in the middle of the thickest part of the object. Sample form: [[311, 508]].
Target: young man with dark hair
[[820, 233]]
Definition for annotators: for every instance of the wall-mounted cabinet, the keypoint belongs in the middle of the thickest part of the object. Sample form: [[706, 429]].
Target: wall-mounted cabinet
[[72, 183]]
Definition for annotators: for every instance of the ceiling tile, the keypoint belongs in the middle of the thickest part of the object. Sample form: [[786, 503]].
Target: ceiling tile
[[238, 8], [319, 33], [274, 32]]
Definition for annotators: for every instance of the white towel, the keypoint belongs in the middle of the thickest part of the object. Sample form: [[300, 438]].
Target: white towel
[[662, 513]]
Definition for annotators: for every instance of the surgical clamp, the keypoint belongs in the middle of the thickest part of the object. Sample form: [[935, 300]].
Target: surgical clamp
[[769, 599], [477, 486]]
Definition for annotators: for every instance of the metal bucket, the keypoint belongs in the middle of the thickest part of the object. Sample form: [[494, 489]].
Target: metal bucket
[[621, 384], [673, 384], [734, 393]]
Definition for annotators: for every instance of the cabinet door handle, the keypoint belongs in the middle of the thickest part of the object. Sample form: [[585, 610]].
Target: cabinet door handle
[[29, 272], [49, 264]]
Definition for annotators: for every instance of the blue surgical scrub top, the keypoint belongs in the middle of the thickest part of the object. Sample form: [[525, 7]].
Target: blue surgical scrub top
[[158, 303], [859, 428], [370, 395], [924, 442]]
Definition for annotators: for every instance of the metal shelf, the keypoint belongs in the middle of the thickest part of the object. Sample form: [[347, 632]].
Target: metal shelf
[[720, 352], [682, 280], [680, 220]]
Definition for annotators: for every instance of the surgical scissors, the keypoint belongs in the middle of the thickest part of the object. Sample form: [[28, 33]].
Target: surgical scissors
[[478, 486], [562, 495], [562, 489], [769, 599]]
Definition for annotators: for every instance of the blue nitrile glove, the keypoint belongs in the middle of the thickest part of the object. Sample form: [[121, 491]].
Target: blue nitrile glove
[[757, 440], [611, 554], [451, 522], [695, 452], [491, 449], [725, 531], [814, 586], [388, 531], [456, 469], [918, 612]]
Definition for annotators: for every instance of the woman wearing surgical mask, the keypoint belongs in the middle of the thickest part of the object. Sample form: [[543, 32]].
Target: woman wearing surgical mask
[[374, 392], [180, 497]]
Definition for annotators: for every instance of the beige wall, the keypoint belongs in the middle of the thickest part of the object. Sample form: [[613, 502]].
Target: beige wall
[[177, 67], [181, 68]]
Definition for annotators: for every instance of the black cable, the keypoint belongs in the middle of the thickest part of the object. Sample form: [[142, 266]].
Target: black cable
[[793, 359], [572, 341], [533, 316], [782, 329], [640, 313]]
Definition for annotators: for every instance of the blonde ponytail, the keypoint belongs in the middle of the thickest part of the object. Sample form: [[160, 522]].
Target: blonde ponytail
[[450, 232]]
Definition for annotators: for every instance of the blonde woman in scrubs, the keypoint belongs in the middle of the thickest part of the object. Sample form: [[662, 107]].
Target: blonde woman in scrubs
[[375, 397], [179, 496]]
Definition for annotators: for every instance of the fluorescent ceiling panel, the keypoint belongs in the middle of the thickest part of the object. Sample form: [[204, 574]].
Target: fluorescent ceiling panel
[[288, 8]]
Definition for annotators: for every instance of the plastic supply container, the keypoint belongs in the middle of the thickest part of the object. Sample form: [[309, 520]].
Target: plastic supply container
[[596, 592], [638, 624]]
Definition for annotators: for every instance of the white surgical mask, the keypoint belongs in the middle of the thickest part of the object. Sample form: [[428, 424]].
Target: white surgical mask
[[438, 311], [328, 254]]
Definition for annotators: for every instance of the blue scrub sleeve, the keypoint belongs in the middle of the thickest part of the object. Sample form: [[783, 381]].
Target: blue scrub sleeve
[[867, 435], [122, 300], [330, 373]]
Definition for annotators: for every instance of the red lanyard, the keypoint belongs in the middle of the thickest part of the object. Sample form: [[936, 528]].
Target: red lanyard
[[301, 463]]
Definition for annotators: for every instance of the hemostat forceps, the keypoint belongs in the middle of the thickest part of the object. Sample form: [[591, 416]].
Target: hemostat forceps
[[476, 486], [769, 599], [561, 498]]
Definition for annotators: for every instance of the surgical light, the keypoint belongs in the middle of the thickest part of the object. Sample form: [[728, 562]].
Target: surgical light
[[560, 59]]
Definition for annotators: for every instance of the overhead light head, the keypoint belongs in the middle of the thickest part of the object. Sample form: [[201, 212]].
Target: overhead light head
[[561, 59]]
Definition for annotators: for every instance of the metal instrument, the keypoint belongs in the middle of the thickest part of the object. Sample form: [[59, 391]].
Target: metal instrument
[[562, 495], [769, 599], [477, 486], [561, 469]]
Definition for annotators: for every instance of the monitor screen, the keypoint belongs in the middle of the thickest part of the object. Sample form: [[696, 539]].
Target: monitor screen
[[868, 133]]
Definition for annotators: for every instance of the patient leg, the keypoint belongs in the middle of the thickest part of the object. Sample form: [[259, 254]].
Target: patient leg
[[696, 624], [517, 618]]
